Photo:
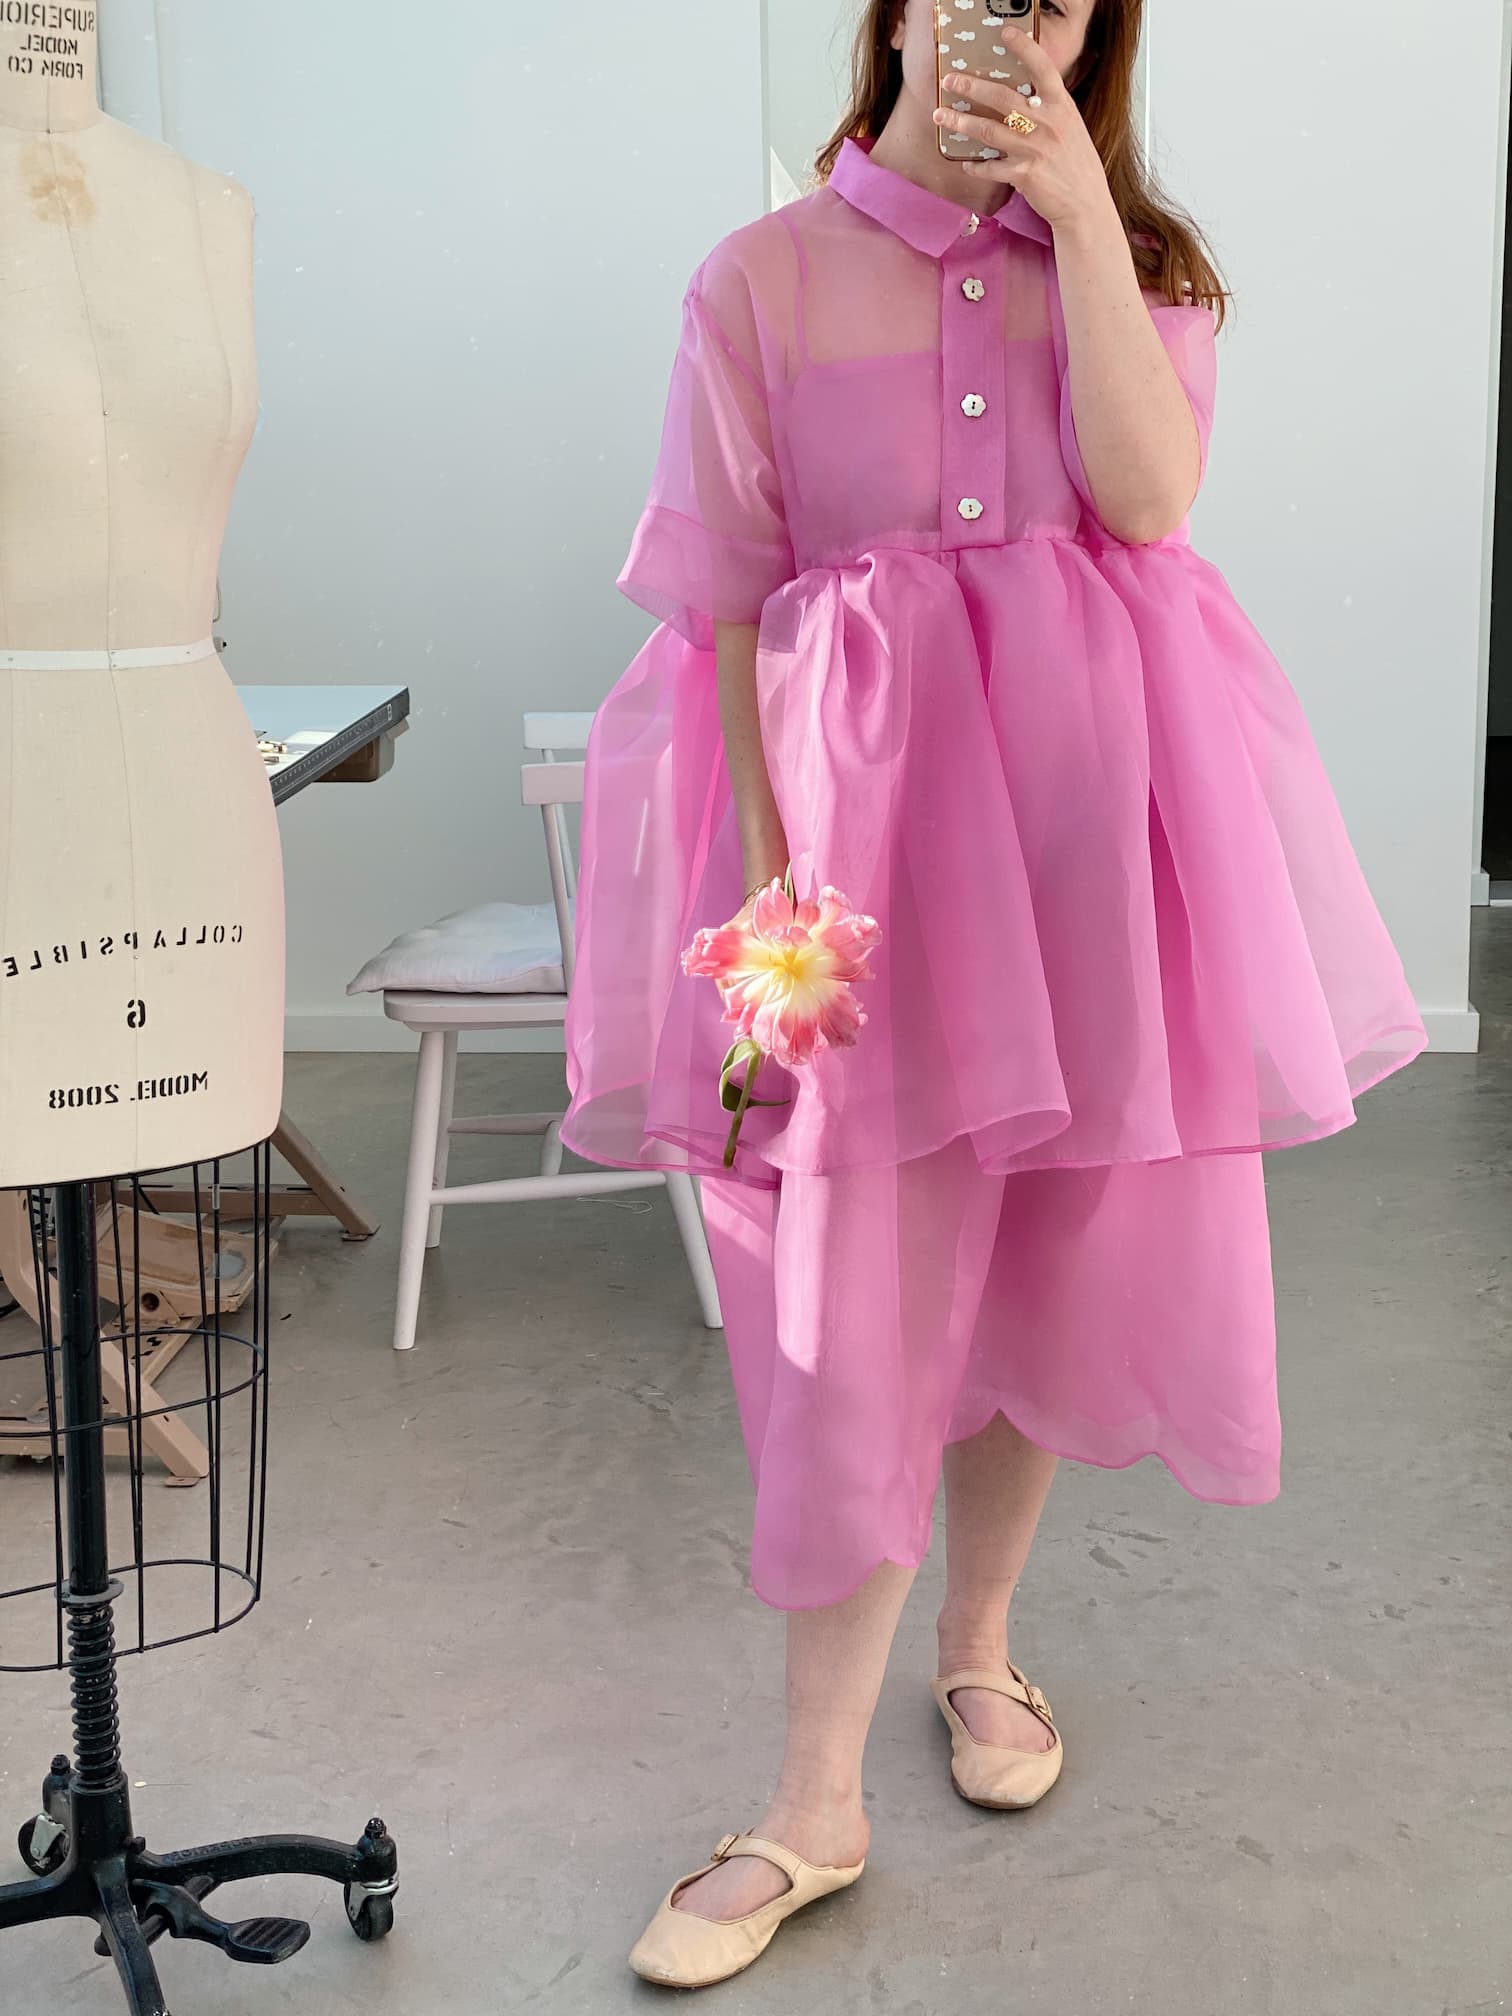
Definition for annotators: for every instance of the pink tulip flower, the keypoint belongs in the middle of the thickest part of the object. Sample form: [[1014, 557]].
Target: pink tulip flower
[[785, 980]]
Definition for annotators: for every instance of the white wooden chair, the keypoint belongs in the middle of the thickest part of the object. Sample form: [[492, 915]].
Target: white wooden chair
[[440, 1020]]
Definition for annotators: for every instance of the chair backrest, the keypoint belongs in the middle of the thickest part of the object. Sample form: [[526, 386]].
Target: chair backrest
[[554, 786], [545, 734]]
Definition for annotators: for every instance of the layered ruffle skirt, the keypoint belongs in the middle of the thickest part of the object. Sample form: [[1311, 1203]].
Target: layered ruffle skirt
[[1127, 947]]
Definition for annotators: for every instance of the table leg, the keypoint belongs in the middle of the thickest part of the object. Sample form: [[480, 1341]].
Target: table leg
[[322, 1181], [323, 1194]]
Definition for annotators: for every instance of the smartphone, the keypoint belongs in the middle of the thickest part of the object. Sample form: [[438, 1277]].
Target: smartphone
[[970, 39]]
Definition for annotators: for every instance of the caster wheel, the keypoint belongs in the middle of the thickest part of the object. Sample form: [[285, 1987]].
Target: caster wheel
[[370, 1917], [43, 1845]]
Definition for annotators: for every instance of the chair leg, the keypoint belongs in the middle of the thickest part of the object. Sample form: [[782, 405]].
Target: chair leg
[[551, 1150], [419, 1183], [443, 1134], [696, 1246]]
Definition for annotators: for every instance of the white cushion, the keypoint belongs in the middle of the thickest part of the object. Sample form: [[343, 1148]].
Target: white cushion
[[497, 948]]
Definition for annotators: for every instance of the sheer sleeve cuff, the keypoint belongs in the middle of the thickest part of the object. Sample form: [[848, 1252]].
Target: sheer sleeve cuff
[[685, 575], [1189, 335]]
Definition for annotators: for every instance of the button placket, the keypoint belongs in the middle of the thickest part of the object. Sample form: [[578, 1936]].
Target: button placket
[[973, 460]]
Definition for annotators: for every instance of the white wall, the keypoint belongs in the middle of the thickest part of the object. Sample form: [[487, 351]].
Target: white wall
[[467, 305], [467, 319], [808, 48], [1347, 496]]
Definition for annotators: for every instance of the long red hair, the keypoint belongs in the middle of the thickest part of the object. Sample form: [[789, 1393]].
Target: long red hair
[[1169, 251]]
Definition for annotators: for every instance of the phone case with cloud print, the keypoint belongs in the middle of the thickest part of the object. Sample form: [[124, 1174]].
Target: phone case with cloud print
[[970, 38]]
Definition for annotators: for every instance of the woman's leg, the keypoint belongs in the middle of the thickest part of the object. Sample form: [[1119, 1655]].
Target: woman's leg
[[836, 1659], [995, 1489], [850, 1303]]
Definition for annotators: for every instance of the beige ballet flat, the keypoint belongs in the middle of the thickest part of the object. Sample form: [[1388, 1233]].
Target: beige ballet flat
[[678, 1949], [1006, 1780]]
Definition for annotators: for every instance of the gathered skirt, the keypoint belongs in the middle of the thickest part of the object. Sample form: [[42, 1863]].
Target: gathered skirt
[[1127, 947], [874, 1317]]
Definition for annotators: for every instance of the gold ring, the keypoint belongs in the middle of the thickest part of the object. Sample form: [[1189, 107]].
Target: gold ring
[[1017, 123]]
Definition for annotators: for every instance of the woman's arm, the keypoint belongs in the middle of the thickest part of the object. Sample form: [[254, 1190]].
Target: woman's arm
[[763, 845], [1134, 425]]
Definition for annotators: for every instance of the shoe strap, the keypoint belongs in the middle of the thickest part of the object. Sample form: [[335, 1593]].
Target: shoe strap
[[1037, 1700], [787, 1861], [1014, 1684]]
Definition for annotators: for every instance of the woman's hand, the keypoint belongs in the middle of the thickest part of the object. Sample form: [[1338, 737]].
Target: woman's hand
[[1056, 166], [755, 883], [741, 921], [1134, 423]]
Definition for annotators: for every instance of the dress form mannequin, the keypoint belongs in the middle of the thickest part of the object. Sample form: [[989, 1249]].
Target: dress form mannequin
[[141, 916], [141, 890]]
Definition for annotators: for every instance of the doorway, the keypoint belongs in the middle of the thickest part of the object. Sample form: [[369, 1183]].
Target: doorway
[[1496, 844]]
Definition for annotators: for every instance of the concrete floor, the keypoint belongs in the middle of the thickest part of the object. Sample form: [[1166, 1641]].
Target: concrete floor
[[506, 1608]]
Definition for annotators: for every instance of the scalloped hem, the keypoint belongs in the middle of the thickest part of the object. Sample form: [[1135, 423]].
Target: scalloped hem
[[1266, 1493]]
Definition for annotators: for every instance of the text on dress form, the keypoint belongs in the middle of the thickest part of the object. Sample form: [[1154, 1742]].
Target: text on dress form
[[49, 65]]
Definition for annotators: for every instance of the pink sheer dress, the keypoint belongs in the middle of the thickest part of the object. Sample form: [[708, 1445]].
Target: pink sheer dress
[[1127, 945]]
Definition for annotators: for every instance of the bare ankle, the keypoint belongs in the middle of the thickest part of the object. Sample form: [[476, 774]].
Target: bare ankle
[[970, 1639], [824, 1808], [828, 1829]]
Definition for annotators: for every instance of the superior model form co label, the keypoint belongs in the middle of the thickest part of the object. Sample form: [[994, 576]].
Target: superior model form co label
[[48, 16], [55, 45]]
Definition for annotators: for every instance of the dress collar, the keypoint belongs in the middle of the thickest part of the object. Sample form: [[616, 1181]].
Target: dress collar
[[928, 222]]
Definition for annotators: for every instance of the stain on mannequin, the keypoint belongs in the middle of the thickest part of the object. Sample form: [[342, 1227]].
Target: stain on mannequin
[[57, 183]]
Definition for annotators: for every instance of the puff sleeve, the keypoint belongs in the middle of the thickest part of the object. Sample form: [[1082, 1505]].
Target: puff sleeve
[[712, 543], [1189, 335]]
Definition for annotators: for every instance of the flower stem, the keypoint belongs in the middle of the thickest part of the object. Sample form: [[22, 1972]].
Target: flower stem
[[740, 1111]]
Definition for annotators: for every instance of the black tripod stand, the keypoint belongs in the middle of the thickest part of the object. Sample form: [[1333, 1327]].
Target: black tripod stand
[[88, 1861]]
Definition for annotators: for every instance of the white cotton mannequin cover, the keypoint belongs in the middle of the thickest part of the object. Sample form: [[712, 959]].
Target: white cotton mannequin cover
[[141, 886]]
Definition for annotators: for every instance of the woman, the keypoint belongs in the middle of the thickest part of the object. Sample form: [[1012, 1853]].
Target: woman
[[932, 631]]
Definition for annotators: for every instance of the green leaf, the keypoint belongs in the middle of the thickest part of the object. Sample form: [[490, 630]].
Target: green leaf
[[733, 1097], [744, 1052], [738, 1099]]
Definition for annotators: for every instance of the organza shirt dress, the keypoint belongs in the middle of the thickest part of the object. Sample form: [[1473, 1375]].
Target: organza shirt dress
[[1126, 942]]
